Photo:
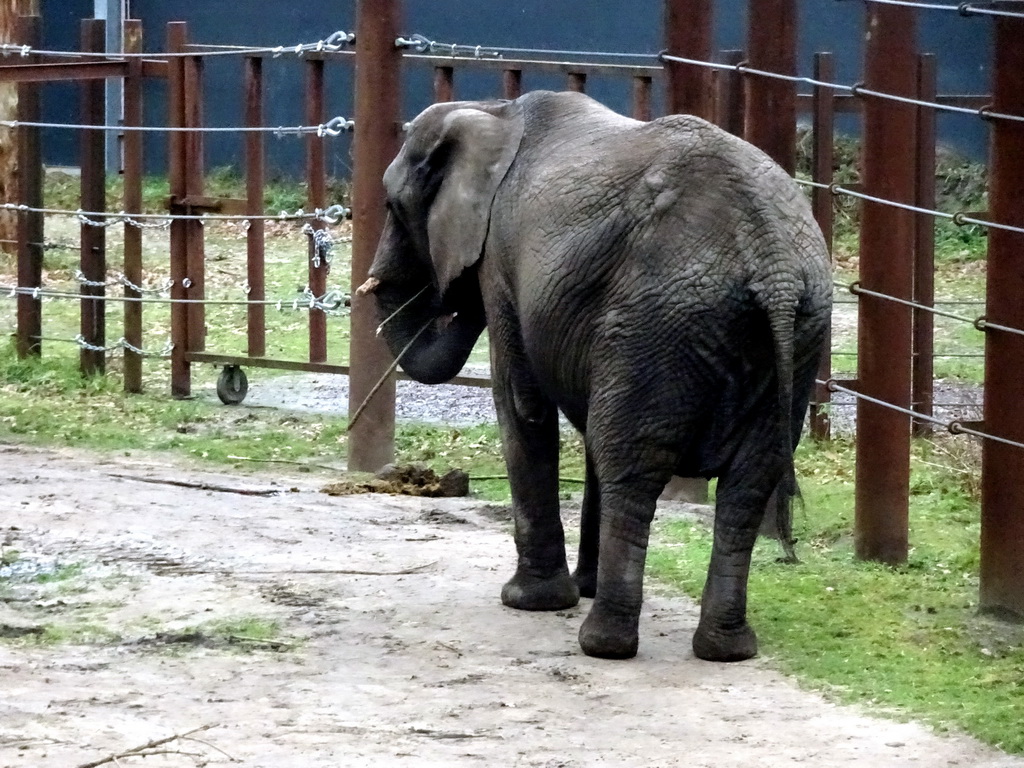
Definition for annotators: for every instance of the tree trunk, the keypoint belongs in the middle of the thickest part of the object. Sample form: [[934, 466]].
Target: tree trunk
[[9, 11]]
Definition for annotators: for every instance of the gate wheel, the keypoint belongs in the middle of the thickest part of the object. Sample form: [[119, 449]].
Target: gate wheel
[[232, 385]]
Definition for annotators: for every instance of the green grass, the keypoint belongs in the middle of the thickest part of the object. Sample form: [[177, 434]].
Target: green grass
[[248, 627], [61, 574], [81, 633], [907, 640]]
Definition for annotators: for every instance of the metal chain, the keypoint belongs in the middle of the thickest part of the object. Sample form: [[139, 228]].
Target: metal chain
[[165, 352], [121, 279], [168, 283], [333, 127], [330, 215], [333, 43], [124, 344], [423, 44], [323, 245], [330, 302]]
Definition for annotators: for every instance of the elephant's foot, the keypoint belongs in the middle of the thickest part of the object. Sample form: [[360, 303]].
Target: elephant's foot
[[716, 644], [530, 593], [609, 635], [586, 580]]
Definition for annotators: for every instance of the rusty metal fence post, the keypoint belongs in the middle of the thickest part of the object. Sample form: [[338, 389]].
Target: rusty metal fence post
[[93, 262], [255, 236], [642, 98], [376, 141], [195, 183], [886, 266], [1002, 490], [689, 34], [729, 94], [177, 160], [316, 184], [771, 103], [133, 204], [512, 83], [923, 371], [444, 84], [823, 204], [30, 193]]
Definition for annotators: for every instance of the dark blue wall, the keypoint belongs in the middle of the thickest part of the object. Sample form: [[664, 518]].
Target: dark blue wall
[[62, 31], [963, 47]]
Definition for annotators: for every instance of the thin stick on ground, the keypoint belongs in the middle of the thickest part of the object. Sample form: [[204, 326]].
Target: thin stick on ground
[[303, 464], [336, 571], [141, 749], [199, 486]]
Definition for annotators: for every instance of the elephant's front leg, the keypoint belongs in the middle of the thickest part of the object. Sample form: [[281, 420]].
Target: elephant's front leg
[[529, 428]]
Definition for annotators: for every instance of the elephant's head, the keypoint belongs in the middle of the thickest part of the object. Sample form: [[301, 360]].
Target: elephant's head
[[440, 189]]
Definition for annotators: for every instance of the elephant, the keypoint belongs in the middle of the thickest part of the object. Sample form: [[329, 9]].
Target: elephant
[[662, 284]]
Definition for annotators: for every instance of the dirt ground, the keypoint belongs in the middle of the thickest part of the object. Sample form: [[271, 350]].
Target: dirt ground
[[390, 646]]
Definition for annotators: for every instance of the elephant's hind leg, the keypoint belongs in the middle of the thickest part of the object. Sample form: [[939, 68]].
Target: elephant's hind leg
[[585, 574], [723, 633]]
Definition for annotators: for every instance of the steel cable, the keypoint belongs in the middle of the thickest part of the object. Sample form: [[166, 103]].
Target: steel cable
[[955, 427]]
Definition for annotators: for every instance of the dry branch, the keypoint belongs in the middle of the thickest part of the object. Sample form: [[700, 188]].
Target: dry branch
[[302, 464], [273, 644], [198, 486], [140, 751], [341, 571]]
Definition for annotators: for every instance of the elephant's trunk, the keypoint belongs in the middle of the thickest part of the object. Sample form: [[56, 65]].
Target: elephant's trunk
[[433, 335]]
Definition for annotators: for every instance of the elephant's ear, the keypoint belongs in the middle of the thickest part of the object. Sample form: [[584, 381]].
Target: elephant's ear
[[480, 148]]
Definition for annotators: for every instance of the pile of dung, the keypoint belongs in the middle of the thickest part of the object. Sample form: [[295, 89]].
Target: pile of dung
[[406, 479]]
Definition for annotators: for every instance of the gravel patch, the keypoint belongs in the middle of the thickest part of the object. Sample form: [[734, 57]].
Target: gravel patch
[[462, 406], [328, 394]]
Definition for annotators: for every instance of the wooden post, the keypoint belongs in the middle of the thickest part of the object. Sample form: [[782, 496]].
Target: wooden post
[[771, 103], [824, 213], [689, 34], [642, 97], [30, 193], [177, 160], [923, 370], [376, 141], [577, 81], [10, 29], [1002, 491], [512, 83], [729, 98], [444, 84], [93, 198], [133, 170], [316, 184], [195, 182], [887, 267], [255, 236]]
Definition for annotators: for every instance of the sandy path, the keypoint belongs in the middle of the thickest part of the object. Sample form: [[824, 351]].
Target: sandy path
[[422, 669]]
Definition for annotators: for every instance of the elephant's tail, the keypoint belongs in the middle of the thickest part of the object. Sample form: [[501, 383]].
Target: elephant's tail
[[782, 310]]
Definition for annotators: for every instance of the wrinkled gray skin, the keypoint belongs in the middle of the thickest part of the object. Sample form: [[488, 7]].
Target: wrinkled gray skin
[[662, 284]]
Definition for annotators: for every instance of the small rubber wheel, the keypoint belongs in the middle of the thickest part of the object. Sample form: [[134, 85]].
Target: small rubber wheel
[[232, 385]]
